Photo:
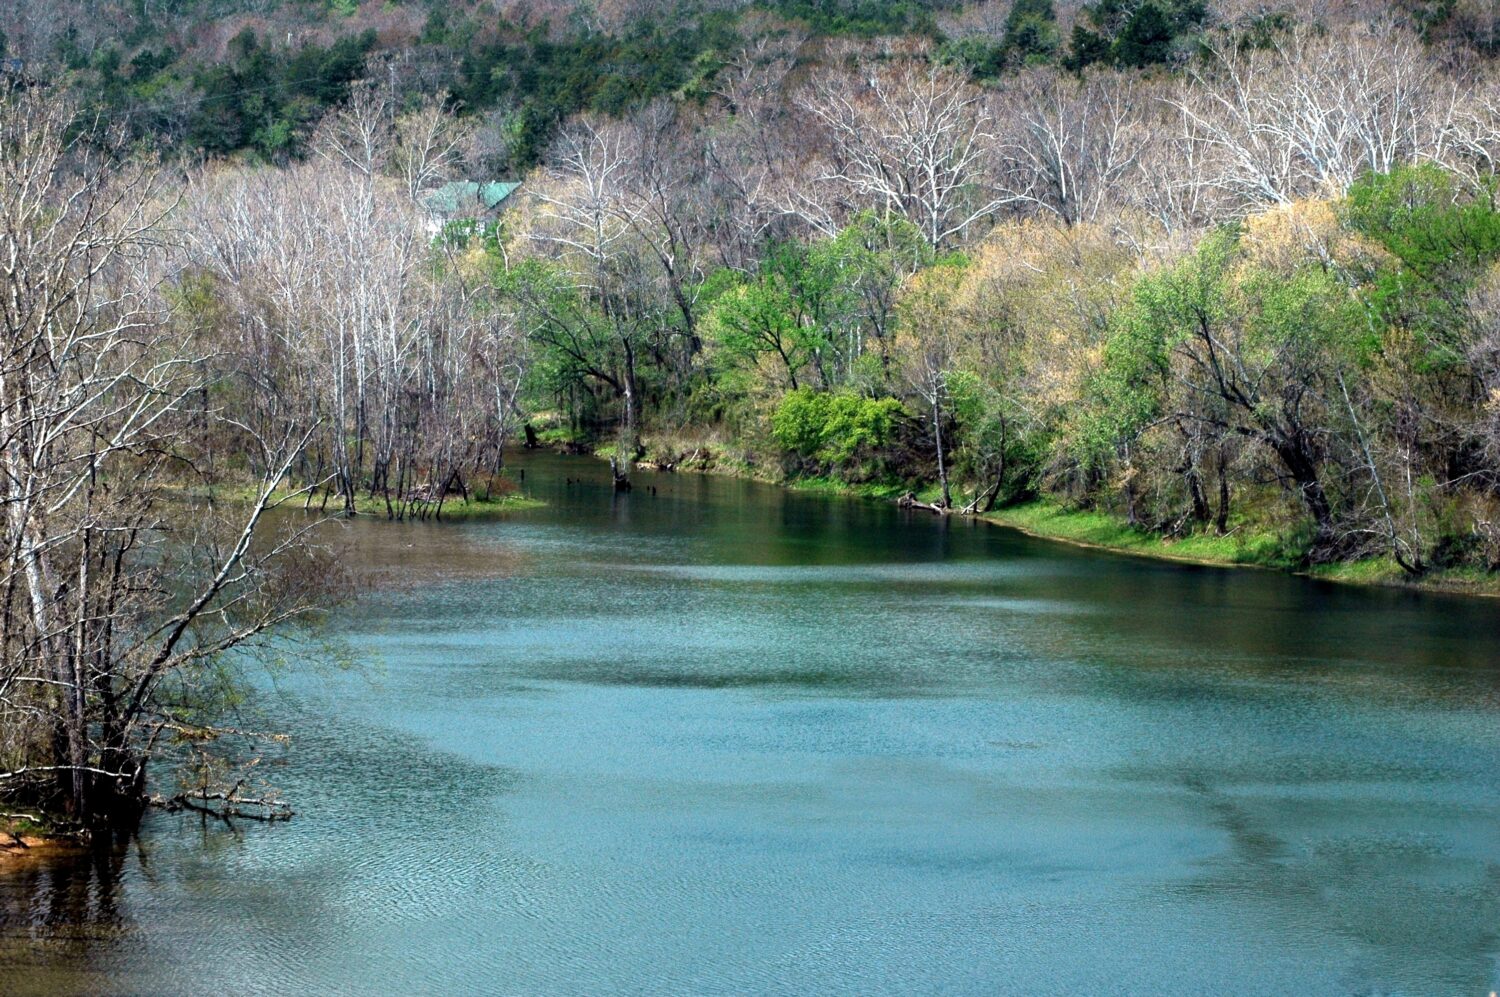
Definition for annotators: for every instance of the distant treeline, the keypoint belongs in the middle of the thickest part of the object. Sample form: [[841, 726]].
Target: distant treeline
[[218, 78]]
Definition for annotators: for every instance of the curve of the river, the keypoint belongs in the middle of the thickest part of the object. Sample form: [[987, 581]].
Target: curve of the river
[[726, 739]]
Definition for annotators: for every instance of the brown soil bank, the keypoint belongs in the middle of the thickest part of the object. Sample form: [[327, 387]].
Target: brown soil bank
[[19, 850]]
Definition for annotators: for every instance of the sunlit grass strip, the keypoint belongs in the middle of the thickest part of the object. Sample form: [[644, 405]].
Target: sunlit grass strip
[[1240, 548], [833, 486], [1099, 529], [472, 509], [455, 507]]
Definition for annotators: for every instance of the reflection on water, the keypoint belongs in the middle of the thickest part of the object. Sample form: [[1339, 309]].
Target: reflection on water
[[726, 739], [62, 914]]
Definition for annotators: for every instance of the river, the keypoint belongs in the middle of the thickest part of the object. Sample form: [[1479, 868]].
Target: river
[[729, 739]]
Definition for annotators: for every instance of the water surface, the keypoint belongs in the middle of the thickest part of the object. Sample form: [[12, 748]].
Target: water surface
[[728, 739]]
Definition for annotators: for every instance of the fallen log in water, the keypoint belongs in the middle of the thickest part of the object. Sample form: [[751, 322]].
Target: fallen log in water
[[910, 501]]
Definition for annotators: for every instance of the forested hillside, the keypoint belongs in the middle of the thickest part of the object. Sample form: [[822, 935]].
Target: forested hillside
[[1212, 270], [1205, 266]]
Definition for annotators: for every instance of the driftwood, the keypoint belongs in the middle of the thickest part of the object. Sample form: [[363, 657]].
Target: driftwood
[[982, 502], [699, 457], [909, 501], [985, 500], [227, 805], [18, 841], [668, 462]]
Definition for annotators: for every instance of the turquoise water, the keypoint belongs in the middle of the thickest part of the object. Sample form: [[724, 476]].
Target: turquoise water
[[726, 739]]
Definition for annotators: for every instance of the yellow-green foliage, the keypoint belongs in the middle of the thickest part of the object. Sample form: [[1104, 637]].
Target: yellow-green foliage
[[833, 427]]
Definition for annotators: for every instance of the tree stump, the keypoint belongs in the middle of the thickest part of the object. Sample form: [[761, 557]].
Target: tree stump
[[621, 473]]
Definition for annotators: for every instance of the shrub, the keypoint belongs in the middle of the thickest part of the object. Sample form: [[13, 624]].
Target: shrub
[[835, 429]]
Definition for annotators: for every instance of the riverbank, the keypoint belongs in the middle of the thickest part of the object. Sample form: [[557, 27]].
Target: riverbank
[[455, 507], [23, 842], [1240, 548], [22, 849], [1237, 549], [475, 509]]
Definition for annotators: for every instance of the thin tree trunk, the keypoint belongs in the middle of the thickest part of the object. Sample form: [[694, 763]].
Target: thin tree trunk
[[1221, 520], [937, 435]]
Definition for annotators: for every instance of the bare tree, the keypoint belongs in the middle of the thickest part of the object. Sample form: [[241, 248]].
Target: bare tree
[[759, 167], [356, 318], [1312, 113], [430, 146], [589, 221], [912, 141], [1068, 144], [927, 352], [666, 211], [113, 592]]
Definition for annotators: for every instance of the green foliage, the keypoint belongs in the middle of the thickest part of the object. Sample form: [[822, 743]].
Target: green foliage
[[786, 310], [1422, 216], [1441, 238], [540, 79], [881, 247], [570, 336], [1129, 389], [1259, 342], [1031, 31], [1086, 48], [1263, 30], [268, 99], [461, 233], [1444, 22], [981, 57], [812, 308], [835, 428], [991, 434], [1147, 38], [1030, 38], [1121, 33], [1430, 17], [864, 18], [1218, 312]]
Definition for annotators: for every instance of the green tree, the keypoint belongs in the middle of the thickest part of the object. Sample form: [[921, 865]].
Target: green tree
[[1124, 33], [1030, 32], [575, 343], [1441, 238], [790, 310], [1227, 343]]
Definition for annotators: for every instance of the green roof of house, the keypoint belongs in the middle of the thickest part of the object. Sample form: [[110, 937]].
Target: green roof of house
[[466, 195]]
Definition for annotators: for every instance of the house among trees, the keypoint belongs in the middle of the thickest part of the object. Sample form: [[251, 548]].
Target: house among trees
[[467, 200]]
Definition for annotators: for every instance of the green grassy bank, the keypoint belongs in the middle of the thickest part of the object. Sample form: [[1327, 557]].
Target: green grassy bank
[[1088, 528], [1241, 547], [455, 508]]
